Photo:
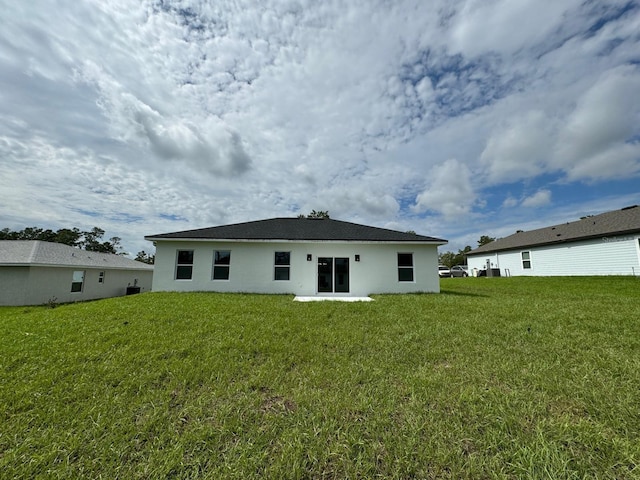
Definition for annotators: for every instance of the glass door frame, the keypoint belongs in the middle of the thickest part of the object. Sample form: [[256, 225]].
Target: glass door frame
[[332, 275]]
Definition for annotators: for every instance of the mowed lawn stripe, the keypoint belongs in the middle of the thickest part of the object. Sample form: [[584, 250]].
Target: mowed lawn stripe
[[492, 378]]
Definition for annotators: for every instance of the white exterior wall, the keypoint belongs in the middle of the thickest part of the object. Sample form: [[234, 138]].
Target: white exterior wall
[[252, 267], [601, 256], [13, 285], [479, 262], [35, 285]]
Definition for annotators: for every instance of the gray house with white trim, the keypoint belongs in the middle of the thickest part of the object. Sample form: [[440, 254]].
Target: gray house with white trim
[[604, 244], [301, 256], [33, 272]]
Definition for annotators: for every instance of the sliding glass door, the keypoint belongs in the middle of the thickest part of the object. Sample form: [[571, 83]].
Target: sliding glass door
[[333, 275]]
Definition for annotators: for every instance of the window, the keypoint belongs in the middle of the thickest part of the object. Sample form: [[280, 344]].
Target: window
[[221, 261], [100, 277], [184, 265], [405, 267], [77, 281], [282, 265], [526, 260]]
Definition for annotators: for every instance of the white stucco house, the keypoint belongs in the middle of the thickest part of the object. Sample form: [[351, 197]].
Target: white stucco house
[[604, 244], [301, 256], [33, 272]]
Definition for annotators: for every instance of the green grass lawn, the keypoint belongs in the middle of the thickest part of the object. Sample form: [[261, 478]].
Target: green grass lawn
[[492, 378]]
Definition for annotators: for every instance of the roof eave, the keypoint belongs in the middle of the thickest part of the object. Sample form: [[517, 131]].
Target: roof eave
[[287, 240], [555, 242], [67, 265]]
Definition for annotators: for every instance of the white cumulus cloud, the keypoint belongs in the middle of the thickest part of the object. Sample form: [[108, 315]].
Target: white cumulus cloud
[[518, 149], [150, 116], [449, 192], [538, 199], [601, 137]]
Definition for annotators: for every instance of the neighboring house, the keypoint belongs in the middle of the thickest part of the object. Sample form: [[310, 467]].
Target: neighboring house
[[605, 244], [302, 256], [33, 272]]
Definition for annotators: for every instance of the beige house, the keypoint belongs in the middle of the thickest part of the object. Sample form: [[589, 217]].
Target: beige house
[[34, 272]]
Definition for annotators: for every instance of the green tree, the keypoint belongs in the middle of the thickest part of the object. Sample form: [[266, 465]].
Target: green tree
[[68, 236], [145, 257], [6, 234], [90, 241], [30, 233], [318, 214], [450, 259], [447, 258], [111, 246], [484, 239]]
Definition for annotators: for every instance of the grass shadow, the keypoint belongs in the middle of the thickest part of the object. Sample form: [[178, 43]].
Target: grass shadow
[[454, 293]]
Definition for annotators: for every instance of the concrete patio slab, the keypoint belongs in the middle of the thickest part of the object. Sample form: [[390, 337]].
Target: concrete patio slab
[[332, 299]]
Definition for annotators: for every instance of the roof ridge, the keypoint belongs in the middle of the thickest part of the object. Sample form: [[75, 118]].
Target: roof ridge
[[34, 250]]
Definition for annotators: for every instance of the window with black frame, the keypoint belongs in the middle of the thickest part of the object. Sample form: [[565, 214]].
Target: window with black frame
[[221, 264], [282, 266], [405, 267], [184, 265]]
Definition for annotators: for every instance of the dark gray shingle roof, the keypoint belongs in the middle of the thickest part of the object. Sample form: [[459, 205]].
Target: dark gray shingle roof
[[297, 229], [36, 252], [617, 222]]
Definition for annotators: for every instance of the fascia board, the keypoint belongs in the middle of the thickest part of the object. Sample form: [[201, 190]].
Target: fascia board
[[250, 240]]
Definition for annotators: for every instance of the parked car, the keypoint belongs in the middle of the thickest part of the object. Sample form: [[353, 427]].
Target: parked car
[[459, 271]]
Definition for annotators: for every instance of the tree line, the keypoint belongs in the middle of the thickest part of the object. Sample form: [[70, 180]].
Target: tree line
[[450, 258], [91, 240]]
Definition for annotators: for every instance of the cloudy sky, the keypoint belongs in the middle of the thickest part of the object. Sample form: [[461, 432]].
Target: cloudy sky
[[455, 119]]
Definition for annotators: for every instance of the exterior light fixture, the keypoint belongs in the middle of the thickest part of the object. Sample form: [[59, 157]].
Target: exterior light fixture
[[357, 258], [308, 257]]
